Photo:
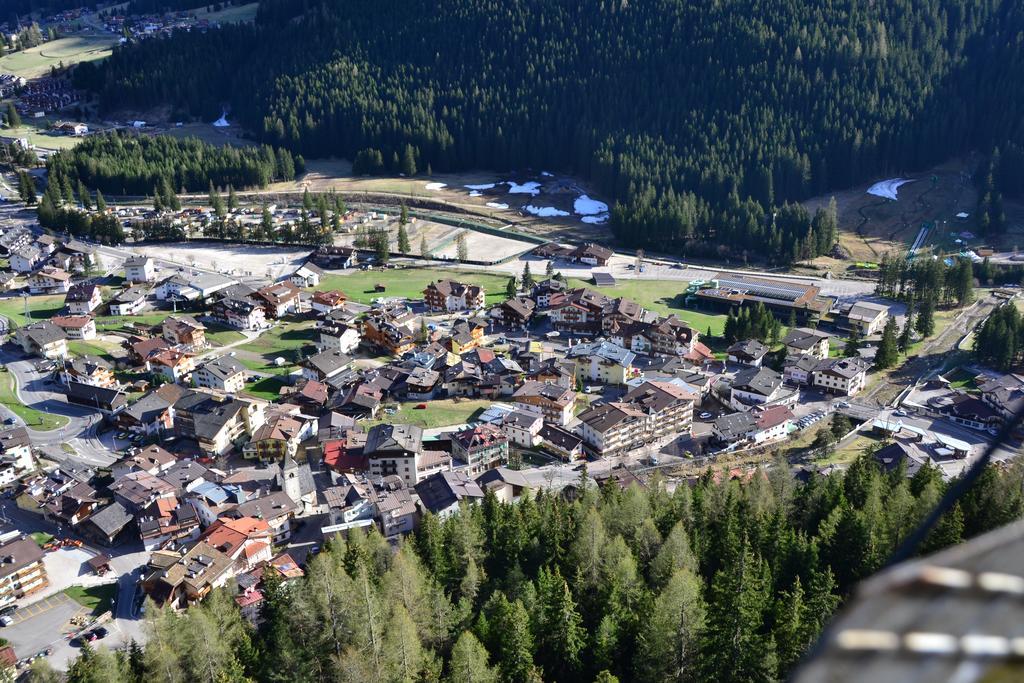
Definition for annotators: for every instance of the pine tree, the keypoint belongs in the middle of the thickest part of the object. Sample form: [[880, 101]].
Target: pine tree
[[408, 165], [888, 352], [733, 646], [83, 195], [469, 662], [101, 203], [232, 198], [527, 278], [13, 120], [424, 249], [560, 635], [668, 641], [462, 247], [925, 323], [511, 288], [403, 215], [403, 239], [307, 200]]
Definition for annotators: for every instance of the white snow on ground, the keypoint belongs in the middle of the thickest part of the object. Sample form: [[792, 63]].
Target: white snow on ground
[[222, 122], [963, 214], [585, 206], [596, 220], [546, 174], [497, 205], [531, 188], [474, 193], [544, 211], [484, 186], [887, 188], [436, 186]]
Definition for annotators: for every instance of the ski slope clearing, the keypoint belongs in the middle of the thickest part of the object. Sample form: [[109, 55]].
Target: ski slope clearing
[[887, 188]]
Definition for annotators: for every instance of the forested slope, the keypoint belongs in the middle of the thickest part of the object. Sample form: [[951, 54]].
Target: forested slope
[[697, 117], [719, 582]]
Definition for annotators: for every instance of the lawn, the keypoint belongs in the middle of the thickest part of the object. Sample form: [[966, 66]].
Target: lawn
[[36, 61], [267, 388], [851, 451], [41, 538], [438, 413], [39, 307], [662, 296], [410, 283], [222, 335], [96, 598], [286, 340], [94, 347], [36, 419]]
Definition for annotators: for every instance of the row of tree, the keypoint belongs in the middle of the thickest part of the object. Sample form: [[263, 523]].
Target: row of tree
[[720, 581], [126, 164], [926, 279], [999, 341]]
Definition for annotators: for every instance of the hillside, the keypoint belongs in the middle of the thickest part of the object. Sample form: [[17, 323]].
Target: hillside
[[698, 118]]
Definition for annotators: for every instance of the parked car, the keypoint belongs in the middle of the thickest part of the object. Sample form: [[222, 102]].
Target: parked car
[[9, 610], [6, 620], [705, 416]]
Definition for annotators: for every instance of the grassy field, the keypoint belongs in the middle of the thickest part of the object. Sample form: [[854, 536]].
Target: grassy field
[[95, 598], [41, 538], [38, 133], [439, 413], [40, 308], [36, 419], [230, 15], [291, 341], [36, 61], [94, 347], [410, 283], [221, 335], [267, 388], [851, 451]]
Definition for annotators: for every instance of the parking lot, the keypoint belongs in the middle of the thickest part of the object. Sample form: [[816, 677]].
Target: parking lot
[[44, 624]]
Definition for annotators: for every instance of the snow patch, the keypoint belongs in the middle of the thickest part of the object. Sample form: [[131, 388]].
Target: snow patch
[[436, 186], [546, 174], [531, 188], [474, 193], [887, 188], [596, 220], [222, 122], [544, 211], [484, 186], [585, 206], [497, 205]]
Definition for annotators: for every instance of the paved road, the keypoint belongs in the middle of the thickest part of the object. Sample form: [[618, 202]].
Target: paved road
[[37, 390]]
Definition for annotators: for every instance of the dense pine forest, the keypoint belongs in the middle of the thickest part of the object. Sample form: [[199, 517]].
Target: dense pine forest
[[697, 118], [720, 582], [124, 163]]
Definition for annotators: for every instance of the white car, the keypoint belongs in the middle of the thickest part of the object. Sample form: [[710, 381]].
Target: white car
[[705, 416]]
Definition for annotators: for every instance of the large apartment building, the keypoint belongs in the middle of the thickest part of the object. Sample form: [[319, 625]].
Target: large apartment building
[[21, 570]]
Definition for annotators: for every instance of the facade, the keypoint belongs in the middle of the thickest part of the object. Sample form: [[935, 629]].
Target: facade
[[555, 403], [83, 299], [43, 339], [803, 341], [278, 299], [184, 330], [450, 296], [139, 269], [844, 376], [223, 374], [397, 449], [748, 352], [22, 571], [240, 314], [129, 302], [341, 338], [864, 318], [76, 326], [604, 363], [49, 280], [481, 448], [755, 386]]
